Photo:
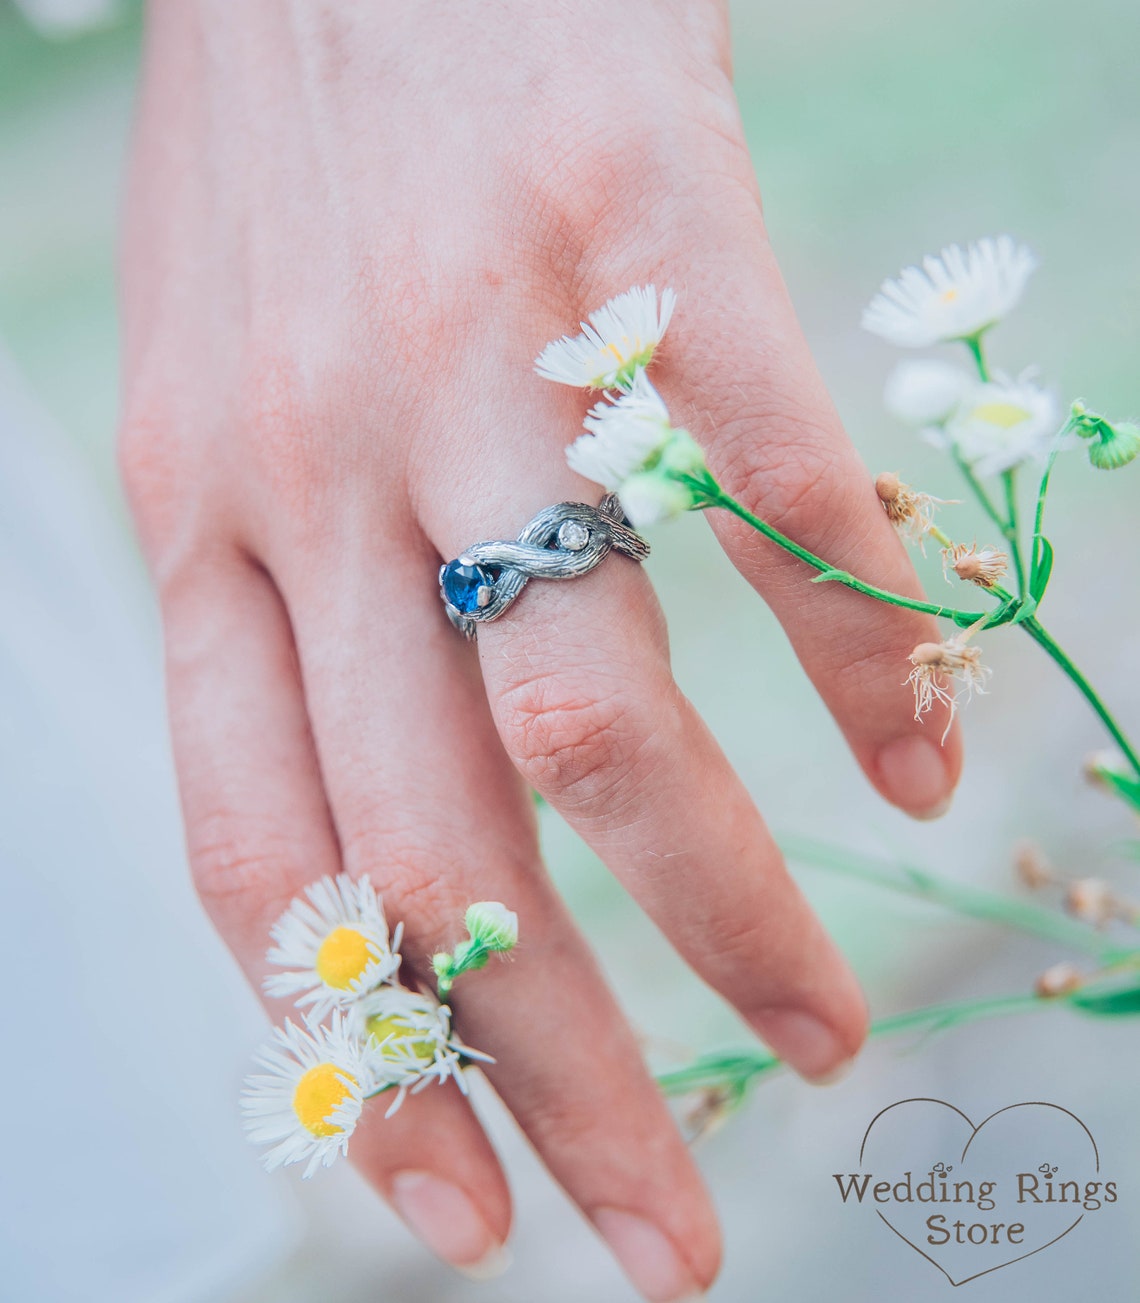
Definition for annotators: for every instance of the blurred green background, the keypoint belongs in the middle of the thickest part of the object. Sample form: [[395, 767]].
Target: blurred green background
[[879, 132]]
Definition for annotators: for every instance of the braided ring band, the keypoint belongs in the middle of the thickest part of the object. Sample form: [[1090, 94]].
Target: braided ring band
[[561, 542]]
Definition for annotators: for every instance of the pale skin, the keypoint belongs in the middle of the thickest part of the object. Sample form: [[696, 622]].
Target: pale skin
[[350, 229]]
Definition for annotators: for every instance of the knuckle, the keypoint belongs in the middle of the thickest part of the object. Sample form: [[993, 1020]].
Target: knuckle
[[570, 741], [565, 1125], [278, 433], [150, 461], [798, 481], [244, 879], [412, 878]]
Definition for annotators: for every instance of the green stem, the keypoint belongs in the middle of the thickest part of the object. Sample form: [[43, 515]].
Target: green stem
[[979, 491], [974, 344], [1033, 627], [970, 901], [737, 1070], [713, 495], [953, 1013], [1010, 528]]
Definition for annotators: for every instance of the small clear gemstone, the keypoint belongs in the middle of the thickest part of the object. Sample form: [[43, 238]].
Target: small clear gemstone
[[461, 584], [573, 536]]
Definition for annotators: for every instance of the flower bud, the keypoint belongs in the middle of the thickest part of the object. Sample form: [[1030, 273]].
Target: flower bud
[[1110, 444], [1091, 899], [1061, 979], [492, 925], [1031, 866]]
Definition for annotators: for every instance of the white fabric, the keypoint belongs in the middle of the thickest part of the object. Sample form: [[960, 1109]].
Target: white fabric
[[126, 1029]]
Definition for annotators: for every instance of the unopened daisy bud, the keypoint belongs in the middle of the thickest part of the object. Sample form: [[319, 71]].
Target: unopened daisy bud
[[939, 665], [982, 566], [1110, 444], [1061, 979], [911, 512], [1031, 866], [1092, 900], [493, 925]]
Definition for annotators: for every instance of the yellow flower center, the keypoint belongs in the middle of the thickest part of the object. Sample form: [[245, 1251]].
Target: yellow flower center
[[389, 1030], [343, 957], [1003, 415], [318, 1094], [948, 296], [620, 359]]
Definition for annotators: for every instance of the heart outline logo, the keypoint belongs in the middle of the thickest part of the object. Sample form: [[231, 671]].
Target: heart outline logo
[[974, 1131]]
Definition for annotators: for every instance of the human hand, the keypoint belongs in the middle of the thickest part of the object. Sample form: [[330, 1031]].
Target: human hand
[[350, 230]]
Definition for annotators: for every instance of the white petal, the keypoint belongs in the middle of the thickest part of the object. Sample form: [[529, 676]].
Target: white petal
[[954, 296]]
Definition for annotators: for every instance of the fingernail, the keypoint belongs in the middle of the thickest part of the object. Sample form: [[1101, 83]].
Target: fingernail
[[839, 1073], [913, 774], [449, 1224], [647, 1257], [805, 1043]]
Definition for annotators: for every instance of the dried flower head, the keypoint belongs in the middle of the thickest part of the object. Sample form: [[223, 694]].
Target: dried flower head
[[708, 1112], [1032, 868], [911, 512], [982, 566], [939, 665], [1061, 979], [1094, 901]]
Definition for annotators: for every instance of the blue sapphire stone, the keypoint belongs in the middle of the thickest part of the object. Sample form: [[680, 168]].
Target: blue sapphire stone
[[461, 584]]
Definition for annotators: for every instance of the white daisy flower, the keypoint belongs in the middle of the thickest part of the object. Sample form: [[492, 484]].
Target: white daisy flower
[[625, 435], [412, 1044], [308, 1101], [923, 391], [336, 945], [955, 296], [1003, 423], [648, 499], [633, 450], [617, 340]]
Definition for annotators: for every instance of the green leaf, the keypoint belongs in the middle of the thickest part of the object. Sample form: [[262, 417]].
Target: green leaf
[[1126, 786], [1108, 1002], [1042, 567]]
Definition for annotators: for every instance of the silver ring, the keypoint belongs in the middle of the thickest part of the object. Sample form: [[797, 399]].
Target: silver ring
[[561, 542]]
